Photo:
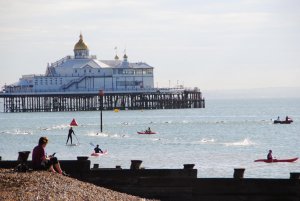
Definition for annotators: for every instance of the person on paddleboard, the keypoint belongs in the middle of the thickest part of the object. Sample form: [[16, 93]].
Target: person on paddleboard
[[40, 161], [97, 149], [70, 135], [269, 156]]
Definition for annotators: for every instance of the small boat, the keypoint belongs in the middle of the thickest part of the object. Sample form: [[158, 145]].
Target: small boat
[[276, 160], [283, 122], [146, 132]]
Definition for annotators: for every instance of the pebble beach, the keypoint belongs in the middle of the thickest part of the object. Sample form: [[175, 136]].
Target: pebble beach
[[43, 185]]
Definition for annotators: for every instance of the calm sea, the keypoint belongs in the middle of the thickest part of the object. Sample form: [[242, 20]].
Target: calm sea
[[227, 134]]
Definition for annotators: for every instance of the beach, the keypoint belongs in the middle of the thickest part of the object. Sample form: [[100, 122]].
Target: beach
[[44, 185]]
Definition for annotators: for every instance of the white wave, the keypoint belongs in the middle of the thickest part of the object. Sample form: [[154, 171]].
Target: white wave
[[98, 134], [18, 132], [205, 140], [57, 127], [245, 142]]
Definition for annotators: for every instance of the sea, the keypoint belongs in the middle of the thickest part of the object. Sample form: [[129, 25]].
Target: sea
[[225, 135]]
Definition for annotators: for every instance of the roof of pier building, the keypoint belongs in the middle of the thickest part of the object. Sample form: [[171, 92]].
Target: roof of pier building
[[87, 61]]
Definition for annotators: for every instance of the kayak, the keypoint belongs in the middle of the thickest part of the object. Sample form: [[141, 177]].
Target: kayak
[[99, 154], [276, 160], [146, 132]]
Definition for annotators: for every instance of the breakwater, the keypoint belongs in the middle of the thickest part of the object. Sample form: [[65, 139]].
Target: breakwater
[[91, 101], [180, 184]]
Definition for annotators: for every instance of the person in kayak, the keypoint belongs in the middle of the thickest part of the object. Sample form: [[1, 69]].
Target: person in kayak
[[148, 130], [269, 156], [70, 135], [97, 149], [40, 161]]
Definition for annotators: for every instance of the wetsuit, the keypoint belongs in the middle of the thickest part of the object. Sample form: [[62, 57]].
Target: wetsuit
[[70, 135]]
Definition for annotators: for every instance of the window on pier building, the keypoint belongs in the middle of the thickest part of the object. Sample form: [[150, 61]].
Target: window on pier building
[[138, 71], [128, 71], [149, 71]]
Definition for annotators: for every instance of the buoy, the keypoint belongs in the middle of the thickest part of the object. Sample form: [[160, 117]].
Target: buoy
[[116, 110], [73, 123]]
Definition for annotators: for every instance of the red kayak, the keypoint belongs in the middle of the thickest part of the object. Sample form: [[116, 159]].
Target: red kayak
[[146, 132], [276, 160], [99, 154]]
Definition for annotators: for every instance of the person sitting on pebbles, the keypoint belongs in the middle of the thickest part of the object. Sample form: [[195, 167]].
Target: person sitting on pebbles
[[40, 161]]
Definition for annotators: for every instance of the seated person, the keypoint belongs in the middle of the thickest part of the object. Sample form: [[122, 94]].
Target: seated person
[[269, 156], [97, 149], [42, 162], [148, 130]]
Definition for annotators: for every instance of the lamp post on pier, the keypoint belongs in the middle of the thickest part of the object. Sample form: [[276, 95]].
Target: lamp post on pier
[[101, 94]]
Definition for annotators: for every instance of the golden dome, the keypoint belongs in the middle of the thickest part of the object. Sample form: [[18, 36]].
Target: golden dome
[[80, 45]]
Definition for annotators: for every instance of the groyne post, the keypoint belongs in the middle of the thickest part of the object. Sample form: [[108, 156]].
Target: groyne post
[[135, 164], [295, 175], [238, 173], [188, 166]]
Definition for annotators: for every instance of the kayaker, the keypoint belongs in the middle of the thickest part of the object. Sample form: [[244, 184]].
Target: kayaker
[[148, 130], [97, 149], [269, 156]]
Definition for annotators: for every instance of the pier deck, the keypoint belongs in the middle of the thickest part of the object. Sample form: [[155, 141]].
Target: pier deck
[[92, 100]]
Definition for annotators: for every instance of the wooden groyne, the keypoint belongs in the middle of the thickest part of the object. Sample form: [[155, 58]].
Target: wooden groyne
[[90, 101], [181, 184]]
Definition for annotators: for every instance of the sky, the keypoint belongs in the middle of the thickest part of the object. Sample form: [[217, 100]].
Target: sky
[[209, 44]]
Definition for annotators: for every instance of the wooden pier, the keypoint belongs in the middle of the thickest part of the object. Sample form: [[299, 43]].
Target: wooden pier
[[91, 101]]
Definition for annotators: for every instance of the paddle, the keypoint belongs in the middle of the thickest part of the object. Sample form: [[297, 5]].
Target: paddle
[[76, 138], [92, 144]]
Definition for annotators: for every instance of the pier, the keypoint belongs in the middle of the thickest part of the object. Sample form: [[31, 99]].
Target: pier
[[92, 100]]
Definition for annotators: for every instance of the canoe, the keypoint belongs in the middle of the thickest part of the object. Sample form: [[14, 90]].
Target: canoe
[[276, 160], [99, 154], [146, 132]]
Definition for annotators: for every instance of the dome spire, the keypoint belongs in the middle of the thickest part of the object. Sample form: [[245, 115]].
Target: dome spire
[[81, 49]]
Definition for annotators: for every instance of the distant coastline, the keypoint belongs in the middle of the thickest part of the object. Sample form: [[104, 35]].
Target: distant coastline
[[255, 93]]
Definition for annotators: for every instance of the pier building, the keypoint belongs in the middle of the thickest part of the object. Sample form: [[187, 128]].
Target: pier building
[[73, 84]]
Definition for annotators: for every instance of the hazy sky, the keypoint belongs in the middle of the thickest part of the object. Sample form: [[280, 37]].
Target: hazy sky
[[210, 44]]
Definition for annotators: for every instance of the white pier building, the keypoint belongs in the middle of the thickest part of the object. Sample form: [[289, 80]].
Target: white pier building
[[85, 73]]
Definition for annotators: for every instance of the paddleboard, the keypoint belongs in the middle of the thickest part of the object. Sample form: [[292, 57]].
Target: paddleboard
[[72, 144]]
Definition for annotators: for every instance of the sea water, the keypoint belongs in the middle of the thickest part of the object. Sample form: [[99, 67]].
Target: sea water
[[227, 134]]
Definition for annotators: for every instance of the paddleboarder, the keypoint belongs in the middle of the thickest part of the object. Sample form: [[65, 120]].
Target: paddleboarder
[[70, 135]]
